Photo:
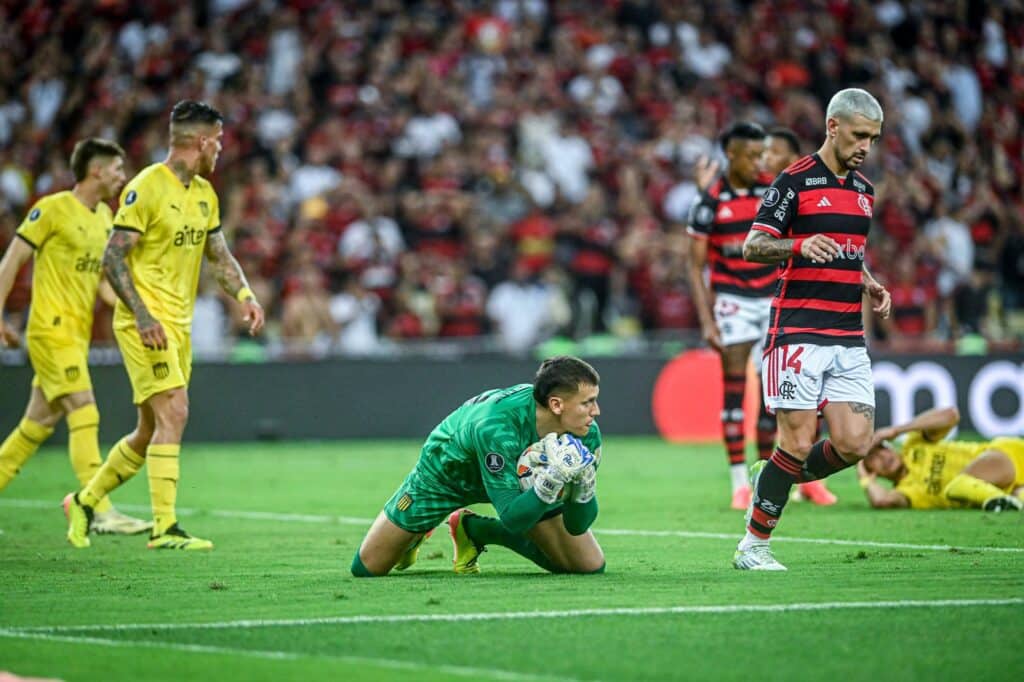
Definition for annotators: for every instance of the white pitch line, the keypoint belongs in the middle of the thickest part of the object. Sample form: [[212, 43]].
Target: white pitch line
[[815, 541], [524, 615], [458, 670], [700, 535]]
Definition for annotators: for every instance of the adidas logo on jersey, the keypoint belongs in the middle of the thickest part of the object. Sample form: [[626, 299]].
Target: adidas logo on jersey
[[824, 203], [724, 213]]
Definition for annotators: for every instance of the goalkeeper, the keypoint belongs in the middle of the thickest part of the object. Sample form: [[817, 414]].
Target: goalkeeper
[[929, 472], [471, 457]]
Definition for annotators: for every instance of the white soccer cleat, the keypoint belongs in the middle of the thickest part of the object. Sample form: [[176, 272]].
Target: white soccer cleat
[[113, 522], [756, 557]]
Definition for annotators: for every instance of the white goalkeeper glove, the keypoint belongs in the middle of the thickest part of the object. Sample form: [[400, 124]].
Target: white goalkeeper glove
[[548, 484], [584, 486], [566, 454]]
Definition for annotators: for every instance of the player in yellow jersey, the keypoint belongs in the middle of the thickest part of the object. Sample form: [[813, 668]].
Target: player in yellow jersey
[[929, 472], [65, 232], [168, 220]]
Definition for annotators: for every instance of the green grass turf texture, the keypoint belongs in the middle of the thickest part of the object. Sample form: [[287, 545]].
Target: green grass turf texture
[[289, 569]]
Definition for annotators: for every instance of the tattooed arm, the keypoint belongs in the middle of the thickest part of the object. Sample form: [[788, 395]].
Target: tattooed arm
[[225, 268], [232, 280], [115, 267], [761, 247]]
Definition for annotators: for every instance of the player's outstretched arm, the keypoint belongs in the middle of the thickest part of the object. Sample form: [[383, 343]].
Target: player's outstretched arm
[[232, 280], [933, 424], [115, 268], [761, 247], [17, 253]]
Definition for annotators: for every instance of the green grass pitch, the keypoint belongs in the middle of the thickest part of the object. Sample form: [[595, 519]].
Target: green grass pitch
[[870, 595]]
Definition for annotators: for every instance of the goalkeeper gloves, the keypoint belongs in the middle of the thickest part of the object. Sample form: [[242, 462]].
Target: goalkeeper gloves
[[584, 486], [567, 455]]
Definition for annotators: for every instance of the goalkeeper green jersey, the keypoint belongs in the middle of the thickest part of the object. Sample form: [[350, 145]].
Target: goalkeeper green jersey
[[472, 454]]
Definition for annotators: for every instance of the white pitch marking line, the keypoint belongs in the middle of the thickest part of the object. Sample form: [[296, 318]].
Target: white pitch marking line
[[358, 521], [461, 671], [525, 615]]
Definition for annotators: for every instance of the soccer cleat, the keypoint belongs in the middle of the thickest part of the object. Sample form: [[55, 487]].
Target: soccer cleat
[[756, 557], [79, 517], [466, 552], [409, 558], [113, 522], [816, 492], [1003, 503], [176, 538], [741, 497]]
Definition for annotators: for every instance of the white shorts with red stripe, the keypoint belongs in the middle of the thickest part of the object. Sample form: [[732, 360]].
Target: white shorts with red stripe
[[807, 377], [743, 319]]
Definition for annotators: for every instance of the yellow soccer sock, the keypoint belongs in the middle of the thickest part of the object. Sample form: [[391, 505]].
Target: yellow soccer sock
[[122, 463], [21, 444], [163, 469], [974, 491], [84, 447]]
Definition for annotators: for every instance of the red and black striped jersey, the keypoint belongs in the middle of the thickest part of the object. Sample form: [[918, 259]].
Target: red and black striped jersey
[[723, 215], [818, 303]]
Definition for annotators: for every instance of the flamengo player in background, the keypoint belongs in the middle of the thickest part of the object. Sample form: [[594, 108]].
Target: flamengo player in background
[[816, 215], [782, 148], [65, 232], [734, 315], [169, 218]]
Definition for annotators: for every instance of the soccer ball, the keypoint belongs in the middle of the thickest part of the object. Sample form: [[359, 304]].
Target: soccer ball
[[532, 458]]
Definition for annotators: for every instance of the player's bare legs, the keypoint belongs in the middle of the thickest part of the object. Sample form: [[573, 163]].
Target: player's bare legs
[[139, 439], [170, 415], [994, 467], [797, 431], [570, 553], [734, 378], [383, 547], [983, 483], [850, 427]]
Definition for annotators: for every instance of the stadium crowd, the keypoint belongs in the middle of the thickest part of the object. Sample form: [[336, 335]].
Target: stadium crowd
[[524, 168]]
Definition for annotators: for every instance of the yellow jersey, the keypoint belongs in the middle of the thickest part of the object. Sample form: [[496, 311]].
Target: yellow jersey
[[931, 466], [174, 221], [68, 240]]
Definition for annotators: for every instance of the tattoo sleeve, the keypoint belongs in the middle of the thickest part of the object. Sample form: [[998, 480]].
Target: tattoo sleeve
[[115, 267], [225, 268], [761, 247]]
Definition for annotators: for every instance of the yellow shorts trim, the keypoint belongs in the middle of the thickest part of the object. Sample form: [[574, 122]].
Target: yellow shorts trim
[[61, 366], [155, 371]]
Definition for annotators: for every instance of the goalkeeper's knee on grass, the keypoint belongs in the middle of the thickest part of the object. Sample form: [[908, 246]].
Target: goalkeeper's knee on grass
[[359, 569]]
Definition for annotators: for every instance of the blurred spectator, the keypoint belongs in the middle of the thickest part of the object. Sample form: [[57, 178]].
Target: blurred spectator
[[442, 156], [354, 311], [525, 310]]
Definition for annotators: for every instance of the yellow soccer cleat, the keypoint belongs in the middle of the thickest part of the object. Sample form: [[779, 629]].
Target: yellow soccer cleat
[[113, 522], [79, 516], [176, 538], [411, 554], [466, 552]]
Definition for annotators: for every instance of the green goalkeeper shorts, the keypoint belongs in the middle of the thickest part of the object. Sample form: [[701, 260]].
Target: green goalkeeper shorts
[[420, 505]]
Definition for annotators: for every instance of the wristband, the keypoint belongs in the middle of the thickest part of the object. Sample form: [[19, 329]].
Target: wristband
[[864, 482], [797, 245], [244, 293]]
